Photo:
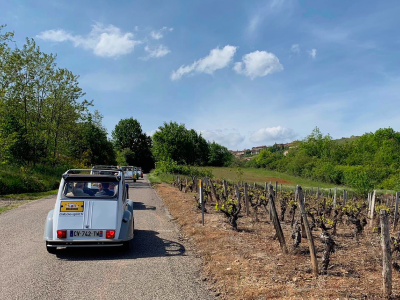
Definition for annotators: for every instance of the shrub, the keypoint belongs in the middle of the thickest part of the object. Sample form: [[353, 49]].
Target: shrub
[[16, 180], [172, 167]]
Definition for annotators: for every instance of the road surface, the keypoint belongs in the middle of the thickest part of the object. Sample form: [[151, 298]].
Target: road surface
[[158, 266]]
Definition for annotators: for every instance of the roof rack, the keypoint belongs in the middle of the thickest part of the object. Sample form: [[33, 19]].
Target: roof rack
[[77, 173], [105, 167]]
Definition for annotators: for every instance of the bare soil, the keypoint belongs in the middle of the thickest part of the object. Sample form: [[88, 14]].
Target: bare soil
[[279, 180], [249, 264]]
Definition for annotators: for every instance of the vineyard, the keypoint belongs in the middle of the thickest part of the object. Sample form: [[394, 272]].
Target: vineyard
[[321, 234]]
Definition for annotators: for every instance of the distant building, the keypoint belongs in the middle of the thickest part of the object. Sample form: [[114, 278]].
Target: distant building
[[256, 150], [288, 145], [237, 153]]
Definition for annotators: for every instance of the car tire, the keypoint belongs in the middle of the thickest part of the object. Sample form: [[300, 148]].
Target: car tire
[[134, 180], [125, 246], [51, 250]]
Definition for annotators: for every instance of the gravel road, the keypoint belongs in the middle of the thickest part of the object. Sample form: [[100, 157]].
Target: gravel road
[[158, 266]]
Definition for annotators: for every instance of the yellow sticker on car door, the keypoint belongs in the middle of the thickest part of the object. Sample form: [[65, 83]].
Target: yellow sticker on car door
[[71, 206]]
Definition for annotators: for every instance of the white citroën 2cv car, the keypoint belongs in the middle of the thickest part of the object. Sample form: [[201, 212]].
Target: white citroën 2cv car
[[91, 210]]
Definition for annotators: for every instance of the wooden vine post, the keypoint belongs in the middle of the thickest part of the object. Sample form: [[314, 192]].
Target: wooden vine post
[[372, 208], [213, 191], [386, 254], [269, 201], [310, 239], [369, 203], [195, 184], [246, 199], [201, 200], [396, 211], [275, 220], [334, 198], [225, 189]]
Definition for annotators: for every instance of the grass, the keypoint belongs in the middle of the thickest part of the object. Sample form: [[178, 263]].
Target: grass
[[28, 196], [11, 206], [153, 178], [8, 202], [260, 176]]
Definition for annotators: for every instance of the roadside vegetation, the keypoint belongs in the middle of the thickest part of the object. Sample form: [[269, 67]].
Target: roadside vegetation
[[368, 162], [261, 175], [371, 161]]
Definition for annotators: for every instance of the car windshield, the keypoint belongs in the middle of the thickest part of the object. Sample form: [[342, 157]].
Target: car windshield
[[79, 189]]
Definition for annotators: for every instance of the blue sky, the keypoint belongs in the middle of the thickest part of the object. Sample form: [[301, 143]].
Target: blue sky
[[244, 73]]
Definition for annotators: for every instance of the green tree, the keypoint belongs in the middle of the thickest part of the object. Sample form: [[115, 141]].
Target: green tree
[[39, 101], [171, 142], [174, 142], [219, 155], [91, 145], [128, 134]]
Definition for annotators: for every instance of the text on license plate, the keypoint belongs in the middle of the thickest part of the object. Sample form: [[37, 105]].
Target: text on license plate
[[86, 233]]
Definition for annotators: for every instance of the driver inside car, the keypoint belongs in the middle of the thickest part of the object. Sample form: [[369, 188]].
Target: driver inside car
[[104, 190]]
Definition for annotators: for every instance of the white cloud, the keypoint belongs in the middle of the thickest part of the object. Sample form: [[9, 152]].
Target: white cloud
[[217, 59], [313, 53], [295, 48], [159, 34], [227, 138], [258, 64], [104, 41], [58, 35], [272, 134], [156, 35], [156, 52]]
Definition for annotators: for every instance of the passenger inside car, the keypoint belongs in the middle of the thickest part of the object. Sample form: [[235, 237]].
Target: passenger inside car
[[111, 187], [77, 190]]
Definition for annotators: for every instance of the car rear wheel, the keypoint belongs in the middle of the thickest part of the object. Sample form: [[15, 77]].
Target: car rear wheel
[[134, 180], [51, 250], [125, 246]]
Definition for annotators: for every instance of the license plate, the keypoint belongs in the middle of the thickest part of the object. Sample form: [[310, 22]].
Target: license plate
[[86, 233]]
